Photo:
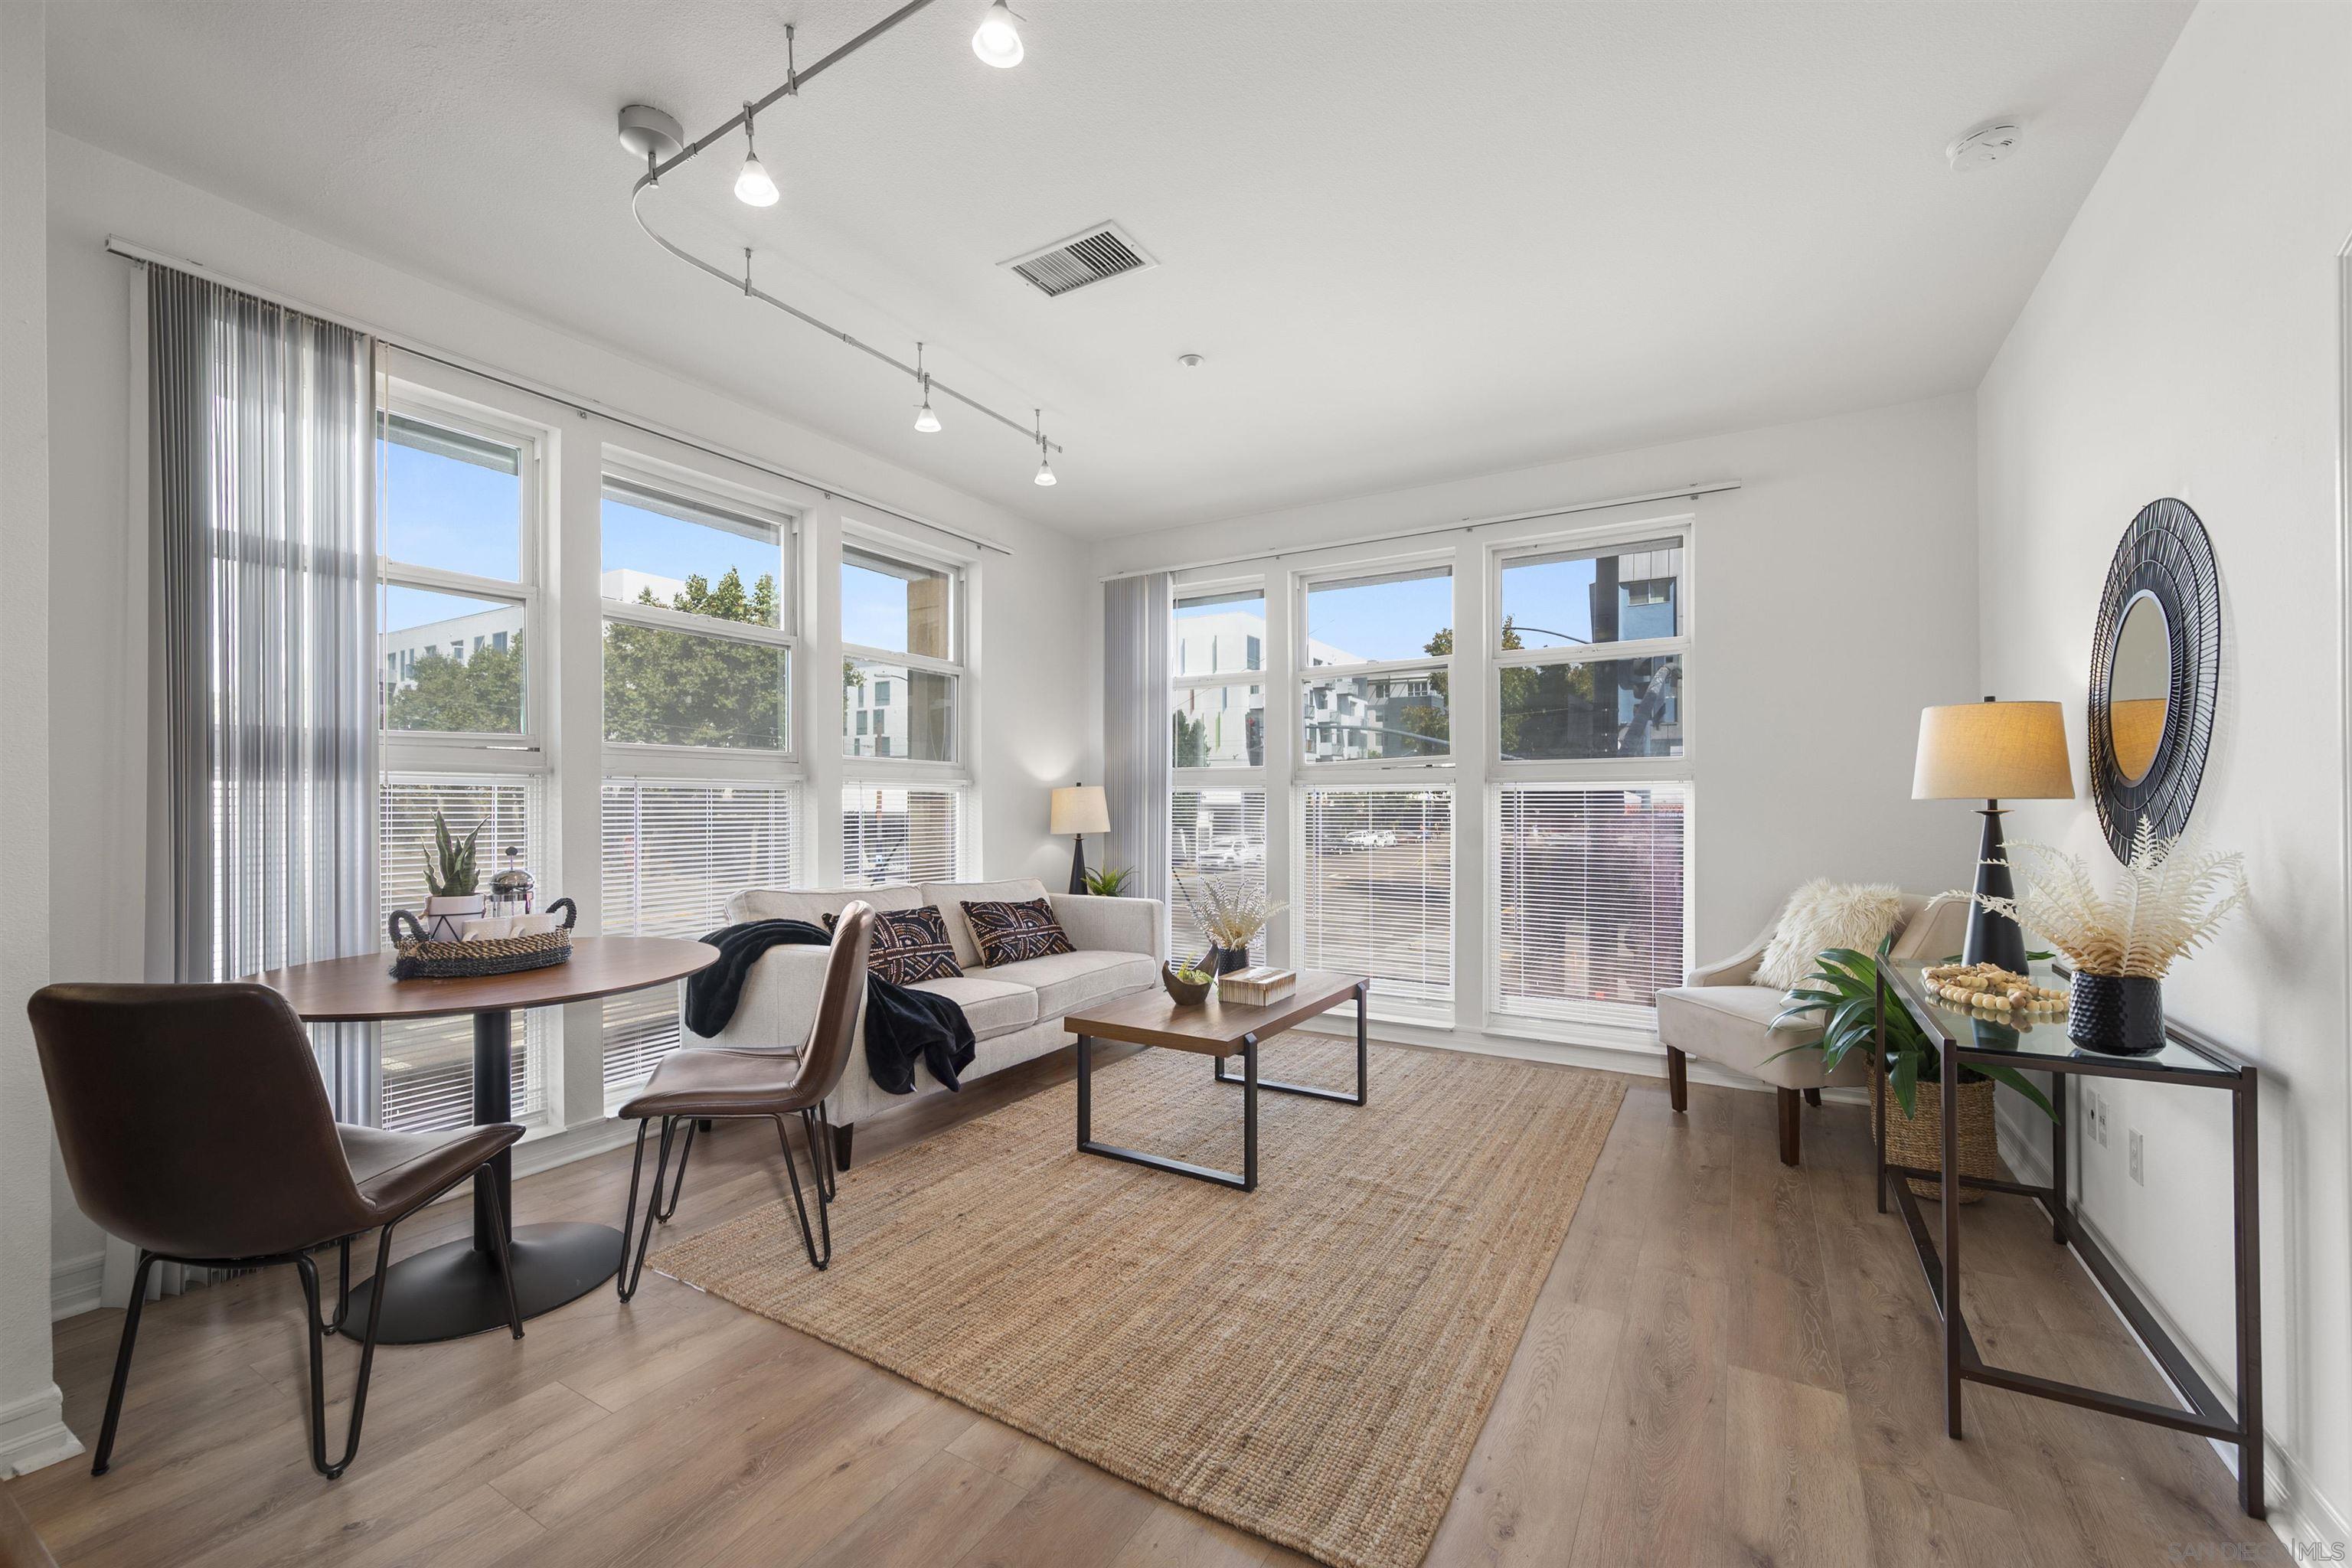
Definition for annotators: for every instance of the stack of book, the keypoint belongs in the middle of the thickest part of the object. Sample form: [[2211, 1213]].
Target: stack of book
[[1257, 987]]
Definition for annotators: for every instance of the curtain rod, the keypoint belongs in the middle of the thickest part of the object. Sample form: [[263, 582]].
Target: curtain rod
[[132, 251], [1467, 525]]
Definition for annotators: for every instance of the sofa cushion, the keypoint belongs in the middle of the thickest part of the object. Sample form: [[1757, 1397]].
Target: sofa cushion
[[1069, 981], [908, 945], [1731, 1026], [991, 1007], [813, 904], [1822, 915], [1013, 932], [952, 897]]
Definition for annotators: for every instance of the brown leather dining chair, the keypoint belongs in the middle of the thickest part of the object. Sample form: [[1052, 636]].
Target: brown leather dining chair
[[193, 1125], [706, 1083]]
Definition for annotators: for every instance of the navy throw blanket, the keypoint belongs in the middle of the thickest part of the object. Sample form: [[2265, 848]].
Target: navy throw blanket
[[902, 1027]]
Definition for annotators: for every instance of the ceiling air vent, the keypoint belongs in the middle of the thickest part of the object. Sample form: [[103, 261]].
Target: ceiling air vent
[[1100, 252]]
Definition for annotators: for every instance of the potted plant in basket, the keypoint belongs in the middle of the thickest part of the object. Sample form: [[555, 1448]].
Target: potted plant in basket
[[452, 882], [2119, 945], [1842, 993]]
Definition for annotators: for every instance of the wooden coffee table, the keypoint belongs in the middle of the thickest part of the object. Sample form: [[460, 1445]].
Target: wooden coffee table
[[1214, 1029]]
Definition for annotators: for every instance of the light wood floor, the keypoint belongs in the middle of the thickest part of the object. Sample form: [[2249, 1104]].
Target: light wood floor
[[1731, 1363]]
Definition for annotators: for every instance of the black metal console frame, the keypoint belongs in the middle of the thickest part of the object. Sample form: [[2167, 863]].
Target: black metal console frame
[[2205, 1413]]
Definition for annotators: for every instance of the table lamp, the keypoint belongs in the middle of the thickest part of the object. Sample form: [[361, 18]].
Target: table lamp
[[1993, 751], [1078, 810]]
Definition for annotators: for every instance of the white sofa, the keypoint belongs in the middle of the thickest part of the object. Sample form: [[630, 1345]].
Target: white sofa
[[1016, 1009]]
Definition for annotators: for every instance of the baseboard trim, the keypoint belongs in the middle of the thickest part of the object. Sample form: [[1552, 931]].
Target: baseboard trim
[[74, 1285], [2301, 1514], [33, 1432], [1640, 1060]]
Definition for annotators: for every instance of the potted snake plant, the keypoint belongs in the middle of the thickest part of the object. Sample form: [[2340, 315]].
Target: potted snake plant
[[452, 882], [1842, 995]]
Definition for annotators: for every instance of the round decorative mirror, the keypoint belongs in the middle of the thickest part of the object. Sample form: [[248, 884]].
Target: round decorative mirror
[[2140, 687], [2156, 672]]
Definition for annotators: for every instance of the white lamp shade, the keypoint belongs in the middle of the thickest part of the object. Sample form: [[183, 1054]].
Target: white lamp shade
[[1993, 750], [1081, 808]]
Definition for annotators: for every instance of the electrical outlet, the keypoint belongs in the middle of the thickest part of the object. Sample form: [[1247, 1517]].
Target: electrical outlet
[[2138, 1167], [2099, 1117]]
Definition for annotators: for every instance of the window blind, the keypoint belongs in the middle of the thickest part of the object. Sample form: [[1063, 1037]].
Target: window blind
[[1376, 896], [1589, 905], [428, 1063], [675, 850], [891, 835], [1218, 833]]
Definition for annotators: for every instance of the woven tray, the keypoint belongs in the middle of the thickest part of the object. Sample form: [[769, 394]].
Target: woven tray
[[419, 957]]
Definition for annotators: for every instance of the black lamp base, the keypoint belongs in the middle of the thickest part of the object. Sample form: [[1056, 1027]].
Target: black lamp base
[[1078, 863], [1993, 938]]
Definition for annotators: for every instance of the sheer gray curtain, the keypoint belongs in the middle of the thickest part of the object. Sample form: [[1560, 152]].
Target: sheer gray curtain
[[1136, 717], [260, 473]]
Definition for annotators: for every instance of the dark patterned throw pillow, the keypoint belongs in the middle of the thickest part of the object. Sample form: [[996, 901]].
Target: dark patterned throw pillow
[[908, 945], [1013, 933]]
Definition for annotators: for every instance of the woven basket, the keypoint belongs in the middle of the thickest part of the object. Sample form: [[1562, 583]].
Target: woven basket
[[1917, 1140], [419, 957]]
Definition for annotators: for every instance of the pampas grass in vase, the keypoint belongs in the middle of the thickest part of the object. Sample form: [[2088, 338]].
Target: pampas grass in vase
[[2121, 944], [1233, 910]]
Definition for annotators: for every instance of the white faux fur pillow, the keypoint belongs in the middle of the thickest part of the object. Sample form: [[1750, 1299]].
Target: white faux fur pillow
[[1825, 914]]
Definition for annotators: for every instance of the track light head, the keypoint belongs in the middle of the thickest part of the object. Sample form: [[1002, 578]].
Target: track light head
[[925, 420], [1046, 471], [753, 187], [998, 41]]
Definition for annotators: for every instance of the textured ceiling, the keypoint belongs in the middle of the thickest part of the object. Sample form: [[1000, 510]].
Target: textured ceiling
[[1413, 240]]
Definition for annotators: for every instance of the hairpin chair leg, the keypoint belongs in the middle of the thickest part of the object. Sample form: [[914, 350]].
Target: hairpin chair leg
[[678, 1183], [626, 1282], [506, 1262], [105, 1454], [831, 1165], [309, 1272], [342, 1286], [824, 1222]]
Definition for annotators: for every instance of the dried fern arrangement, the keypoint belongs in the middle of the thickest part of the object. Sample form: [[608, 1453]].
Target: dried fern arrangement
[[2168, 904], [1233, 909]]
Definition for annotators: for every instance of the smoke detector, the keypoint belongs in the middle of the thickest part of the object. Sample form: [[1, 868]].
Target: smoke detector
[[1103, 251], [1984, 146]]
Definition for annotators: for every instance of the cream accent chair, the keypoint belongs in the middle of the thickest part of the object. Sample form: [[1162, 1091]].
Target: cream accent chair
[[1014, 1009], [1720, 1015]]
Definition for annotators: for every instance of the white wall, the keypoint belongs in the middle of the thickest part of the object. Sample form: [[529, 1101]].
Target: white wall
[[31, 1433], [1835, 595], [2184, 343], [1038, 722]]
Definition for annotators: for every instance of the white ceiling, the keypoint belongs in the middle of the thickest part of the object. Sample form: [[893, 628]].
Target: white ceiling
[[1414, 241]]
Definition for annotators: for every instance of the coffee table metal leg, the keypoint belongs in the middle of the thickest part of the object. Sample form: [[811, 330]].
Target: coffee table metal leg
[[1246, 1182], [1249, 1113], [1363, 1066]]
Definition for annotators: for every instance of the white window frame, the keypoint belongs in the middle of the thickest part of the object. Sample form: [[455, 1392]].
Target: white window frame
[[1501, 775], [1562, 770], [1269, 679], [782, 767], [955, 774], [444, 751], [696, 488], [455, 757], [1305, 674]]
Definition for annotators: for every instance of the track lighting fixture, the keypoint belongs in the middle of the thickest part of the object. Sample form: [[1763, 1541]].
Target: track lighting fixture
[[752, 187], [998, 41], [1045, 457], [661, 144], [925, 420]]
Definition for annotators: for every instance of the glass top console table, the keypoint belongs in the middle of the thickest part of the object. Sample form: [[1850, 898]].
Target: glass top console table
[[1969, 1037]]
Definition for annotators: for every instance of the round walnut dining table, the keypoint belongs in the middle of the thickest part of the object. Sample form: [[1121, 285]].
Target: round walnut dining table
[[454, 1289]]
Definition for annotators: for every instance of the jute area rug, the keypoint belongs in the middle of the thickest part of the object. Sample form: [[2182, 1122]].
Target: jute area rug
[[1311, 1361]]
